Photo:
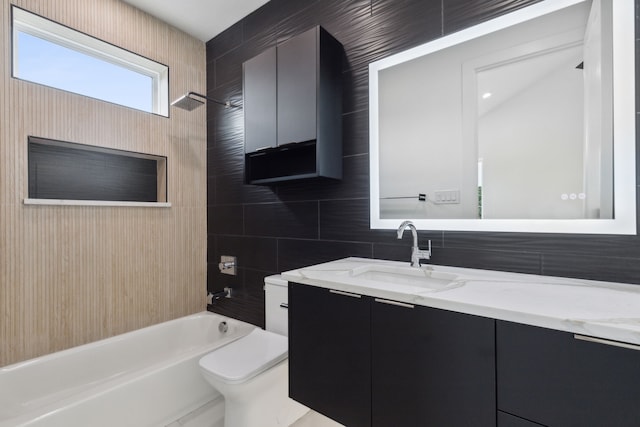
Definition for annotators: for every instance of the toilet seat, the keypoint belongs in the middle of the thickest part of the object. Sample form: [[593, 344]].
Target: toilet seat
[[246, 357]]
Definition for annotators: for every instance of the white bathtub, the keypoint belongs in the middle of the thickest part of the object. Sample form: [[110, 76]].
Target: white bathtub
[[148, 377]]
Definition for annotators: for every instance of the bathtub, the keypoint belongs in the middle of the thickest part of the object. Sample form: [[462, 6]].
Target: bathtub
[[148, 377]]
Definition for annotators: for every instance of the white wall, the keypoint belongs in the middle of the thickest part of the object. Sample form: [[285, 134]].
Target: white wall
[[422, 148], [529, 163]]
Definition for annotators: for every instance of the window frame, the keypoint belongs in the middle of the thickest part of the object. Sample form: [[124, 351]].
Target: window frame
[[54, 32]]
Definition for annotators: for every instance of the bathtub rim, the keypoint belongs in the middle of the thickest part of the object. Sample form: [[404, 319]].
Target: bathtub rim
[[83, 394], [114, 338]]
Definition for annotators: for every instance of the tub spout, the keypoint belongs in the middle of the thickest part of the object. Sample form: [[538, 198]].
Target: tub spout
[[225, 293]]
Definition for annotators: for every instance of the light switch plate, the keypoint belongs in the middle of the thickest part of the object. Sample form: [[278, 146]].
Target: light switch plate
[[447, 197]]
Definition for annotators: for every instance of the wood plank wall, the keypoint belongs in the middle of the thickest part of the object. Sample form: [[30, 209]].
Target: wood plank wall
[[70, 275]]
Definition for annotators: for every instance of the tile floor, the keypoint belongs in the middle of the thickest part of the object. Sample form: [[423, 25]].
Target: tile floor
[[211, 414], [314, 419]]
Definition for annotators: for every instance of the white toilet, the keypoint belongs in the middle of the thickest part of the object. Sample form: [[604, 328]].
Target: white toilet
[[252, 373]]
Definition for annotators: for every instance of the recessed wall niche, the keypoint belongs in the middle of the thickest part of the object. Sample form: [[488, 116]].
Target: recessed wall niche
[[66, 171]]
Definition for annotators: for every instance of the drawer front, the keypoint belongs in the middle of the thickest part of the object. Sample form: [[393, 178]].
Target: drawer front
[[554, 379]]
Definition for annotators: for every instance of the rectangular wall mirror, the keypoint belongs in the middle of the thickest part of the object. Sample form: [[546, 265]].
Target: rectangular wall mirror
[[525, 123]]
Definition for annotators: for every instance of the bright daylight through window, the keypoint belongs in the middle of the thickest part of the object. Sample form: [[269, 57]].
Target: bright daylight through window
[[51, 54]]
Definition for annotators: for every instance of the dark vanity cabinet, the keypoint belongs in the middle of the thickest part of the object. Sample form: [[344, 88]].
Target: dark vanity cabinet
[[329, 353], [431, 367], [555, 379], [364, 362], [293, 110]]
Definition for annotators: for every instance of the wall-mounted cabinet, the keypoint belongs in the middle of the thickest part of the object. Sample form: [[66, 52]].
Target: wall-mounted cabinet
[[260, 102], [293, 110]]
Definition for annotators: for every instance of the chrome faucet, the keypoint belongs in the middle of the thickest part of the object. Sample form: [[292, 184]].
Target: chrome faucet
[[417, 254]]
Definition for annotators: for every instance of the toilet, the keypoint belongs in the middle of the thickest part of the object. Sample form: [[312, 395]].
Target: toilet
[[252, 373]]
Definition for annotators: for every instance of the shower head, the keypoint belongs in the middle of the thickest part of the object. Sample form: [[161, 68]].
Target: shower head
[[190, 101], [185, 102]]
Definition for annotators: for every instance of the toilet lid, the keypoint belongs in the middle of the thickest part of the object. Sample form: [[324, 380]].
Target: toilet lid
[[246, 357]]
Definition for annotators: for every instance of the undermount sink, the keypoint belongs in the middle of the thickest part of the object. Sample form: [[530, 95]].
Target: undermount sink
[[421, 277]]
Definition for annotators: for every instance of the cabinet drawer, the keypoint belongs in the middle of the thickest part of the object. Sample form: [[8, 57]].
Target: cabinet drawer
[[554, 379]]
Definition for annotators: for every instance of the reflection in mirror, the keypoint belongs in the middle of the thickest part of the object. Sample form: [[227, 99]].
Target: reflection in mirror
[[509, 125]]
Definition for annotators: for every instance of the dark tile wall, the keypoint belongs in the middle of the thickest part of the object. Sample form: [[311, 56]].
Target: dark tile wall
[[290, 225], [65, 170]]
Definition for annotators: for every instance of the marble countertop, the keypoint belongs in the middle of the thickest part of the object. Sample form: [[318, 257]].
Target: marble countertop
[[598, 309]]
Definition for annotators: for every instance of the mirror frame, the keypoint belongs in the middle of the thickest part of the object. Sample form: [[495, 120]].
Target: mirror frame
[[624, 129]]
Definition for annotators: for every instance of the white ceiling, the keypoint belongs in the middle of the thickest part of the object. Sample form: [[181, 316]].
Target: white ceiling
[[203, 19]]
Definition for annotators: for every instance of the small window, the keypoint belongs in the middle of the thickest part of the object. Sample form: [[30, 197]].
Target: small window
[[51, 54]]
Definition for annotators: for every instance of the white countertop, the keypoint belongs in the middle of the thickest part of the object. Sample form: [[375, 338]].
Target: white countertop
[[599, 309]]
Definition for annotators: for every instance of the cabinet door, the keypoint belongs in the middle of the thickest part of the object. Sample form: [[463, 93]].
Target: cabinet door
[[297, 88], [329, 353], [431, 367], [260, 104], [554, 379]]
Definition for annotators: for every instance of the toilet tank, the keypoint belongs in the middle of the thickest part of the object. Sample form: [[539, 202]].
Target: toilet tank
[[276, 298]]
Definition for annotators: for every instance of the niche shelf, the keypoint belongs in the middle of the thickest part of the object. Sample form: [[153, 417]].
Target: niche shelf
[[295, 161], [65, 173]]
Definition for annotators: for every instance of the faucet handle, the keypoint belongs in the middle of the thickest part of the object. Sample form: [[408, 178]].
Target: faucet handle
[[420, 255], [429, 249], [425, 253]]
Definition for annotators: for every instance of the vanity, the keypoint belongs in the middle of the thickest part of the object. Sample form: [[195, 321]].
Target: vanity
[[380, 343]]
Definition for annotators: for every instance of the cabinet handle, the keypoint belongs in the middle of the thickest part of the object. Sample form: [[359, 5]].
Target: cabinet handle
[[607, 342], [400, 304], [346, 294], [262, 148], [287, 144], [284, 305]]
